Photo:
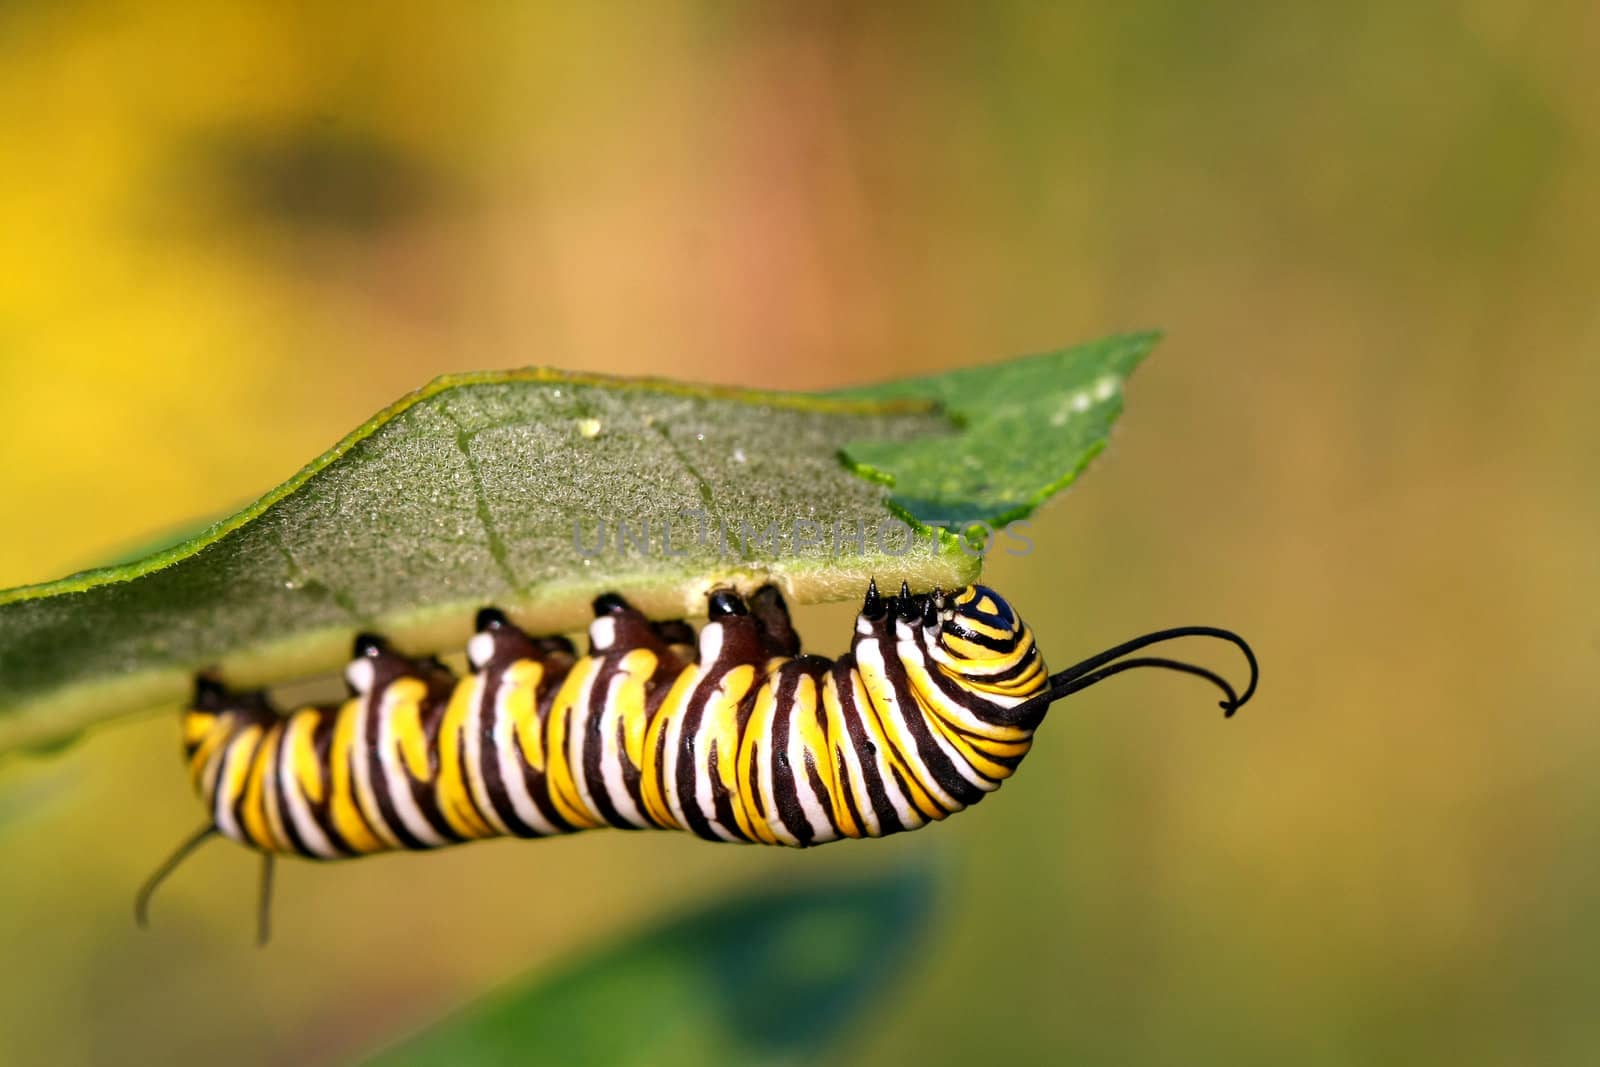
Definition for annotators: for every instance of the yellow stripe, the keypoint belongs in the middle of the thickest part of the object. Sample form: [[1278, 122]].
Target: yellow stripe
[[878, 697], [988, 659], [405, 726], [893, 744], [563, 786], [342, 804], [837, 734], [308, 774], [722, 715], [254, 808], [522, 707], [280, 836], [196, 724], [931, 700], [758, 729], [203, 755], [814, 739], [450, 790], [638, 667], [985, 629], [1028, 683], [232, 785], [652, 771]]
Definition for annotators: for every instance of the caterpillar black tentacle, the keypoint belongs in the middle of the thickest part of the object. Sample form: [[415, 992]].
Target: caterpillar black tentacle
[[731, 734]]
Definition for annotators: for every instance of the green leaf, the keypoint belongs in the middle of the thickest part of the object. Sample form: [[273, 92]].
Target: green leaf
[[1029, 427], [767, 978], [497, 487]]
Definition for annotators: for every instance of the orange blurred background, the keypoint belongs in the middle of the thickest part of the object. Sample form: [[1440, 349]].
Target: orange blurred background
[[231, 232]]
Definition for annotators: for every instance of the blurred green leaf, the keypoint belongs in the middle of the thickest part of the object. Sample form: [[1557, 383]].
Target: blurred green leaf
[[766, 978], [536, 490]]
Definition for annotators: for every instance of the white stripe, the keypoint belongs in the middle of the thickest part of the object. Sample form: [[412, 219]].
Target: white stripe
[[223, 808], [305, 823], [911, 657], [810, 804], [764, 758], [910, 815], [398, 777], [471, 741], [269, 791], [512, 777], [966, 668], [611, 755], [872, 825], [674, 745], [577, 731], [211, 774], [869, 656], [704, 796], [361, 764]]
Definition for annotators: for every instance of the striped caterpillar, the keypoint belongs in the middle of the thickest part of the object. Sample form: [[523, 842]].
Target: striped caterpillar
[[733, 735]]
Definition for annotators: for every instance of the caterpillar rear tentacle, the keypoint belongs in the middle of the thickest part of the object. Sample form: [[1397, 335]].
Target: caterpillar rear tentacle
[[731, 734]]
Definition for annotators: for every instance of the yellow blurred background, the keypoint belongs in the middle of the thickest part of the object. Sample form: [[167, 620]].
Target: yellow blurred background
[[231, 232]]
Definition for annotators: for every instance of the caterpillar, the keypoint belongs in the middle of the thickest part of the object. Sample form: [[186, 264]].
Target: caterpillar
[[732, 734]]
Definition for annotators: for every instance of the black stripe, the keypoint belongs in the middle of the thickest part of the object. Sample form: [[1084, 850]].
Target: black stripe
[[322, 812], [843, 680], [482, 720], [1020, 667], [843, 770], [355, 802], [755, 781], [931, 756], [238, 804], [785, 793], [978, 704], [537, 781], [656, 690], [280, 780], [722, 799], [905, 787], [693, 713], [593, 749], [632, 777], [424, 791], [380, 781], [1007, 644], [824, 794], [661, 768]]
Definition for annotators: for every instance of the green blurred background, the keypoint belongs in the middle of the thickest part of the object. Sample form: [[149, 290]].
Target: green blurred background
[[230, 232]]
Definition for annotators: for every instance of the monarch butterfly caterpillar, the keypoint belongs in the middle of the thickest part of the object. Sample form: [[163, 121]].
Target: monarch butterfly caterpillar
[[732, 736]]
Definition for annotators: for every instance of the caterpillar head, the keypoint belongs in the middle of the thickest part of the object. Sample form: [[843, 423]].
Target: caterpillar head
[[976, 636], [972, 636]]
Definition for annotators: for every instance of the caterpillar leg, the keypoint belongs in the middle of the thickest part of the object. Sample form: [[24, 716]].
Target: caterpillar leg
[[500, 642], [264, 901], [619, 628], [679, 638], [772, 615], [141, 899], [374, 666], [212, 724]]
